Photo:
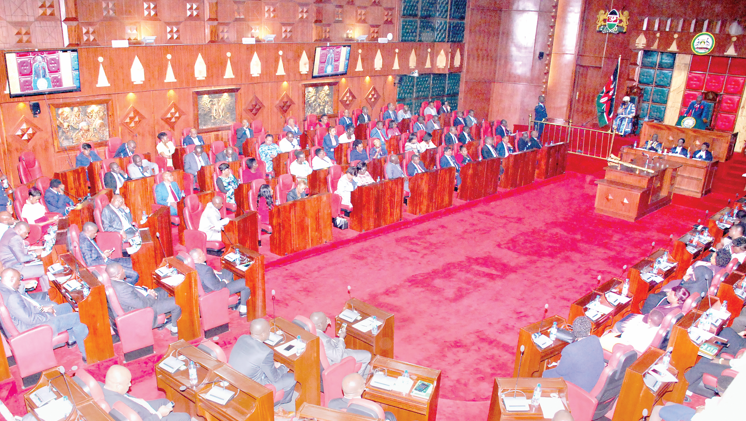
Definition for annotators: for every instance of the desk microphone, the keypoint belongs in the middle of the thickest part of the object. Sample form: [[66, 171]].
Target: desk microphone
[[349, 292], [69, 392], [274, 315], [652, 248], [160, 243], [541, 323], [644, 414], [520, 362], [599, 281], [624, 269]]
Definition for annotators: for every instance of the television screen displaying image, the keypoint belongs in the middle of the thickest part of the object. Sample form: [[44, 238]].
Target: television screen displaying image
[[331, 61], [42, 72]]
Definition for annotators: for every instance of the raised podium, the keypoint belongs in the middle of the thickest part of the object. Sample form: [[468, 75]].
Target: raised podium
[[695, 177], [721, 144], [75, 181], [631, 192]]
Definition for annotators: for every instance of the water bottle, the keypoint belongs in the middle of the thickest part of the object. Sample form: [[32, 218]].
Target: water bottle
[[144, 217], [553, 332], [375, 326], [537, 395], [625, 287], [634, 145], [666, 359], [406, 374], [665, 256], [300, 347], [193, 374], [724, 306]]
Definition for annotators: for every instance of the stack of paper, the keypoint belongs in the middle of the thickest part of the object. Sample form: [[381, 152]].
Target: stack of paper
[[174, 280], [367, 324], [699, 336], [664, 266], [349, 315], [56, 410], [171, 364], [616, 299], [403, 385], [550, 406], [72, 285]]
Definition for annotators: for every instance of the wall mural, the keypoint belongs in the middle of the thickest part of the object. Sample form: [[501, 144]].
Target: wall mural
[[216, 110], [76, 124], [320, 99]]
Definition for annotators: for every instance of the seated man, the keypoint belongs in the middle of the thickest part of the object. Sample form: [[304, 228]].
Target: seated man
[[390, 113], [459, 120], [703, 154], [118, 382], [448, 160], [86, 156], [583, 360], [140, 168], [394, 171], [330, 142], [488, 150], [346, 121], [735, 231], [300, 168], [502, 130], [714, 367], [243, 133], [255, 360], [116, 217], [15, 254], [126, 149], [533, 142], [297, 192], [363, 117], [415, 166], [675, 299], [738, 249], [464, 155], [5, 201], [168, 193], [697, 284], [504, 149], [353, 386], [292, 128], [465, 137], [115, 178], [321, 161], [210, 222], [638, 332], [214, 281], [680, 148], [653, 144], [268, 151], [379, 132], [348, 136], [427, 142], [419, 125], [451, 138], [719, 407], [335, 347], [94, 256], [227, 155], [134, 298], [523, 142], [430, 110], [358, 152], [471, 119], [55, 198], [28, 311], [193, 139], [346, 185], [432, 125], [403, 114], [289, 143], [195, 160]]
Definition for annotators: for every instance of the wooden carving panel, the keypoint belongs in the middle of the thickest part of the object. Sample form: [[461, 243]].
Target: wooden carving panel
[[254, 106], [25, 130], [347, 98], [132, 119], [284, 104], [172, 115]]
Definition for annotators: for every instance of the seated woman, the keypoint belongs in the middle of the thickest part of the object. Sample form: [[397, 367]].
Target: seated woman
[[346, 185], [393, 130], [358, 153], [227, 184], [251, 172], [299, 191], [34, 212], [363, 177], [264, 203], [413, 145], [378, 150]]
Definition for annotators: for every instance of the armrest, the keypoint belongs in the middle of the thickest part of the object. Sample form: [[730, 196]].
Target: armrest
[[710, 381]]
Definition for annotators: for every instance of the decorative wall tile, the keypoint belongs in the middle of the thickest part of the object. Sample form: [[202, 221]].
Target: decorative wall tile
[[25, 130], [23, 35], [663, 78], [284, 103], [441, 30], [372, 96], [422, 86], [46, 8], [452, 84], [427, 31], [173, 33], [441, 10], [254, 106], [427, 8], [132, 119], [109, 9], [410, 8], [150, 9], [347, 98], [172, 115], [192, 10]]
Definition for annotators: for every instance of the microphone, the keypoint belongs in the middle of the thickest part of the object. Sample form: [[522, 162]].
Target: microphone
[[624, 268], [349, 292], [520, 362], [541, 323], [652, 249], [67, 155], [69, 392], [599, 281], [163, 250], [274, 315]]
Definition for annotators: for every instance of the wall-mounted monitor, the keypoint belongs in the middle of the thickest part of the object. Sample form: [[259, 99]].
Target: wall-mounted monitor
[[42, 72], [331, 61]]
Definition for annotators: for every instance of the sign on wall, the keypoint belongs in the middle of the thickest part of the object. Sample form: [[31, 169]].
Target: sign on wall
[[703, 43], [612, 22]]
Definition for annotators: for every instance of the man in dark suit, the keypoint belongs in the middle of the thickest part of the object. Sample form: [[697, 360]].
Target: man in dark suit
[[15, 254], [298, 192], [504, 149], [432, 125], [195, 160], [94, 256], [695, 109], [379, 132], [116, 217], [680, 149], [55, 198], [415, 166], [394, 171], [489, 150], [445, 108], [214, 281], [134, 298], [452, 137], [502, 130], [465, 158], [346, 120], [255, 360], [331, 141], [703, 153], [168, 193], [390, 113], [526, 144], [470, 119], [697, 283], [242, 134], [193, 139], [583, 360], [419, 125], [126, 149], [448, 160], [227, 155], [29, 311], [364, 117], [540, 116], [118, 382], [459, 120], [465, 137], [115, 178], [4, 200], [86, 156]]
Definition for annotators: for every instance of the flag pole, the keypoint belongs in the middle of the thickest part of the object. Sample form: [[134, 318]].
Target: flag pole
[[613, 132]]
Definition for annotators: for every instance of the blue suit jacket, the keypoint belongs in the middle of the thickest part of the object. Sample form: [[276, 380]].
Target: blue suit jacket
[[458, 121], [389, 115], [416, 127], [56, 202], [241, 136], [188, 141], [694, 110], [582, 363], [450, 139], [445, 163], [379, 134], [500, 131], [83, 161], [462, 138], [708, 155], [540, 112], [501, 150], [384, 152], [161, 193], [91, 254], [345, 121], [122, 152], [328, 146], [683, 152]]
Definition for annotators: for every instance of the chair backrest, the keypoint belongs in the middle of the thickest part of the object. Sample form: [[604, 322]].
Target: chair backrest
[[192, 212], [185, 257], [311, 121], [20, 196], [185, 132], [285, 183], [99, 203], [195, 239], [336, 205], [718, 279], [7, 321], [663, 331], [440, 152], [437, 104], [335, 172], [609, 384], [34, 234], [42, 183], [29, 169], [111, 147], [129, 413], [111, 296], [235, 126], [254, 192], [257, 127], [690, 303], [332, 377], [216, 147], [212, 349], [73, 240], [92, 387], [369, 406], [305, 323], [582, 404]]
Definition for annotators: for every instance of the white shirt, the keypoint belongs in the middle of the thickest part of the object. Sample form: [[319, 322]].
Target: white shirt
[[211, 224], [638, 334], [345, 139], [167, 149], [135, 173], [33, 211], [344, 189], [430, 111], [286, 146], [428, 145], [300, 170], [401, 115], [320, 164]]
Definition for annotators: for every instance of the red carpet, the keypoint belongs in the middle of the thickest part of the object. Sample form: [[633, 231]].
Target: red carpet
[[461, 285]]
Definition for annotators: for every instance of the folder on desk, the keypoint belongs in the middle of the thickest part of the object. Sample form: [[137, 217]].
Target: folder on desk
[[43, 396], [173, 280]]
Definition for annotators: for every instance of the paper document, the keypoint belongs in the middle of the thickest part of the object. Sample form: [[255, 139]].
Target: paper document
[[232, 257], [173, 280], [662, 374], [72, 285], [550, 406], [274, 339], [651, 277], [403, 385], [664, 266], [367, 324], [699, 336], [616, 299], [56, 410], [57, 267], [42, 396], [166, 271]]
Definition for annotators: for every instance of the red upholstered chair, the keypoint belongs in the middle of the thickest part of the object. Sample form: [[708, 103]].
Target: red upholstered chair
[[31, 349], [93, 388], [215, 148], [420, 134], [128, 413], [162, 164], [235, 126], [399, 107], [34, 235], [105, 241], [600, 401], [29, 169], [257, 126], [212, 349], [185, 132], [213, 306], [428, 117], [20, 196], [111, 147], [487, 129], [440, 151], [332, 178], [311, 121], [423, 106], [99, 203], [336, 205], [664, 330], [378, 409], [355, 113], [285, 183], [42, 183], [718, 278], [254, 192], [438, 104], [690, 303]]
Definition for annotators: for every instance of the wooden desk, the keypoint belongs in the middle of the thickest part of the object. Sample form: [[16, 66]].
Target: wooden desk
[[248, 148], [87, 408], [479, 179], [280, 163], [712, 224], [695, 177], [405, 407], [604, 323], [630, 194], [187, 297], [204, 175], [159, 224], [243, 230], [139, 196], [684, 354], [75, 181], [534, 359], [685, 258], [635, 396], [727, 292], [381, 344], [301, 224], [552, 160], [92, 309], [377, 205], [431, 191], [253, 401], [404, 125], [82, 212], [377, 167], [519, 169], [527, 386], [429, 159], [641, 289], [180, 152], [146, 259], [320, 413], [306, 367], [317, 182], [361, 131], [721, 144], [254, 278], [205, 198]]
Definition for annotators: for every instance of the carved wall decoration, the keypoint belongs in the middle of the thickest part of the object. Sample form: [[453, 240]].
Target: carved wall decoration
[[25, 130], [132, 119], [396, 60], [304, 64], [255, 67], [200, 68], [412, 60], [378, 61], [372, 96], [137, 72], [347, 98], [254, 106], [215, 109], [77, 123], [284, 103], [319, 99], [280, 67], [228, 68], [172, 115], [102, 80]]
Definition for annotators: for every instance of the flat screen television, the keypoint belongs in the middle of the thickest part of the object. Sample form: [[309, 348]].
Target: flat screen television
[[331, 61], [42, 72]]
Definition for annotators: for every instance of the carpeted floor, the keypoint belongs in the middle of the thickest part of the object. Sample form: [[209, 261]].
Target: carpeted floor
[[462, 285]]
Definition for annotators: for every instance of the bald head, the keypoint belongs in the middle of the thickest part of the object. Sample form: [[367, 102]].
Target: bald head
[[90, 228], [22, 229], [197, 255], [259, 329], [353, 386], [118, 379], [563, 415], [6, 218], [117, 201], [11, 278], [217, 201], [319, 319], [131, 145], [115, 271]]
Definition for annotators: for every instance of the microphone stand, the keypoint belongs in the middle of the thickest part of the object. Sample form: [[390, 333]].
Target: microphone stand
[[163, 250], [520, 363]]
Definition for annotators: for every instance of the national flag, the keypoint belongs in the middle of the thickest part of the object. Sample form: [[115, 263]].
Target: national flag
[[605, 100]]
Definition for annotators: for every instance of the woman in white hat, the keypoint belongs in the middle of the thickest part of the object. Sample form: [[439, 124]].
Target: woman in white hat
[[624, 115]]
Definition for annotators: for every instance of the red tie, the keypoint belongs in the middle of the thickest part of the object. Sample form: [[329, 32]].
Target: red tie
[[173, 193]]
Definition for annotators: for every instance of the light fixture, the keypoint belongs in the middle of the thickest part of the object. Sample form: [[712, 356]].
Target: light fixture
[[362, 38], [269, 38], [149, 39], [280, 67], [228, 68], [390, 36], [200, 68], [255, 66]]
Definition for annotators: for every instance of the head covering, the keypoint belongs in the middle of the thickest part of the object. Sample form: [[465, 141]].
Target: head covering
[[682, 294], [625, 99], [581, 327]]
